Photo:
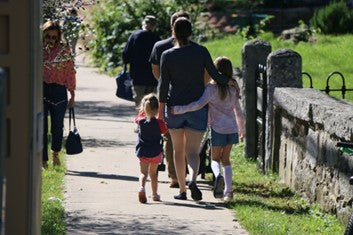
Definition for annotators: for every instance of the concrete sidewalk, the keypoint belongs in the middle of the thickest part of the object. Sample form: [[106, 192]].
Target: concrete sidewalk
[[101, 183]]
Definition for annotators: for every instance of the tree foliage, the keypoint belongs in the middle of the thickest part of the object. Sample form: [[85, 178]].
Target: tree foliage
[[336, 18], [114, 20]]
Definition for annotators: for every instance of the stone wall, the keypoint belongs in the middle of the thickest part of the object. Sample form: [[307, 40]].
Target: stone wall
[[307, 126]]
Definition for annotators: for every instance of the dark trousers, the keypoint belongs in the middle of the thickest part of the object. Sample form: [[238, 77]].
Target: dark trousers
[[55, 103]]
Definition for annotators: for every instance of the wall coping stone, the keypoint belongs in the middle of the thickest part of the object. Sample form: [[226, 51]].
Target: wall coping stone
[[336, 116]]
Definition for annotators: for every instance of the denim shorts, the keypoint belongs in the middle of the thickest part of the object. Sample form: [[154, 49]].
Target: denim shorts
[[218, 139], [196, 120]]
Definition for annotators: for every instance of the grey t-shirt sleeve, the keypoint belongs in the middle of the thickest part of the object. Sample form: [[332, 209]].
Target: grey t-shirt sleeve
[[163, 85], [212, 70]]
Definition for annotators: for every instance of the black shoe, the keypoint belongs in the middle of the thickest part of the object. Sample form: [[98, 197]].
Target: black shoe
[[218, 187], [180, 196], [196, 194]]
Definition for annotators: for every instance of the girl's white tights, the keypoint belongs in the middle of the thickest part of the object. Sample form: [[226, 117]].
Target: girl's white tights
[[227, 178], [216, 168]]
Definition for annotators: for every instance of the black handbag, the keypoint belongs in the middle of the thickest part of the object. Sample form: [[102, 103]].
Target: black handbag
[[124, 85], [73, 143]]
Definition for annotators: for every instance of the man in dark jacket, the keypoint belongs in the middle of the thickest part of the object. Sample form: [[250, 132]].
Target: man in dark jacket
[[136, 53]]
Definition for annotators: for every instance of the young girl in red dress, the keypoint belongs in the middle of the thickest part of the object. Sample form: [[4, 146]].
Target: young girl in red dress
[[149, 148]]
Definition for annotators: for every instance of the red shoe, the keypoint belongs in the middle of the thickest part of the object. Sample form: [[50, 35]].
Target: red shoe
[[142, 197]]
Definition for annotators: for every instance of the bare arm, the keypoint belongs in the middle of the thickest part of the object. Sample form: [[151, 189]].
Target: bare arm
[[161, 111], [196, 105], [72, 99], [156, 71], [239, 118], [206, 78]]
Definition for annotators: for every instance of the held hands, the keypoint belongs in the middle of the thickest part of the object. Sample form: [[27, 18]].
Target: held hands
[[172, 110]]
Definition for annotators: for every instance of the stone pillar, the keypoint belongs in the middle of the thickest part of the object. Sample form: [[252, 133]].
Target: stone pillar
[[284, 69], [254, 52]]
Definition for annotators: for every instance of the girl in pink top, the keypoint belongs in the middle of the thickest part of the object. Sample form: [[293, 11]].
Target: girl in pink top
[[226, 121]]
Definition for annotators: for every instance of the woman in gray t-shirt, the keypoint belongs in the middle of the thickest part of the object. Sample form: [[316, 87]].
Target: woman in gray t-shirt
[[182, 82]]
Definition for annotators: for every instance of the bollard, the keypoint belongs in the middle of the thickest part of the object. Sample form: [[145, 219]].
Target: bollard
[[284, 69], [254, 52]]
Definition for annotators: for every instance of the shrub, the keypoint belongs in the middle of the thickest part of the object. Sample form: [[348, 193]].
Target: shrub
[[114, 20], [335, 18]]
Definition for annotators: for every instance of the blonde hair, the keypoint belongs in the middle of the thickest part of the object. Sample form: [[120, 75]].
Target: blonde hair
[[149, 105], [52, 25], [225, 67]]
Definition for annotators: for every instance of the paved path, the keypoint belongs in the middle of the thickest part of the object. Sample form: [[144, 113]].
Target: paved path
[[101, 183]]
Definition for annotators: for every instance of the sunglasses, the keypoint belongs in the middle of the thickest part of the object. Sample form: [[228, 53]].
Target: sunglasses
[[52, 37]]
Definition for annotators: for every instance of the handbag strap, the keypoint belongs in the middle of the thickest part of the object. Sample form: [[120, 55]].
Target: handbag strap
[[71, 112], [125, 68]]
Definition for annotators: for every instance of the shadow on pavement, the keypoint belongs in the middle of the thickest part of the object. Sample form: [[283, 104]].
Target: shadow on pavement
[[103, 109], [103, 143], [103, 176], [81, 223], [197, 205]]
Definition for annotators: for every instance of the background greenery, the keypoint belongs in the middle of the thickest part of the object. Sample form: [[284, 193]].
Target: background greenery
[[52, 199], [336, 18], [327, 54], [114, 20]]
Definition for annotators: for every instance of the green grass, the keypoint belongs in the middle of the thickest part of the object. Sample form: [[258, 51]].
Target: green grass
[[325, 55], [52, 199], [265, 206]]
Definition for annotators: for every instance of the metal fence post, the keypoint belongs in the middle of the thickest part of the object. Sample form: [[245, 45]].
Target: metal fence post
[[284, 69], [254, 52]]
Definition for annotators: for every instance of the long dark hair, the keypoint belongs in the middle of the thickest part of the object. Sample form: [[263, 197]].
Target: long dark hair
[[224, 66], [182, 30]]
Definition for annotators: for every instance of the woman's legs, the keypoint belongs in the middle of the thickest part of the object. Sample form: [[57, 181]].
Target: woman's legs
[[178, 140], [57, 114], [192, 145]]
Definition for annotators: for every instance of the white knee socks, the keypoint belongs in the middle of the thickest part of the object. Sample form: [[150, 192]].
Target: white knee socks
[[227, 178], [216, 168]]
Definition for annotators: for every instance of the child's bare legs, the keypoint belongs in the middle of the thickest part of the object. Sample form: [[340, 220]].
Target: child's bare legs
[[154, 179], [226, 154], [142, 180], [144, 174]]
